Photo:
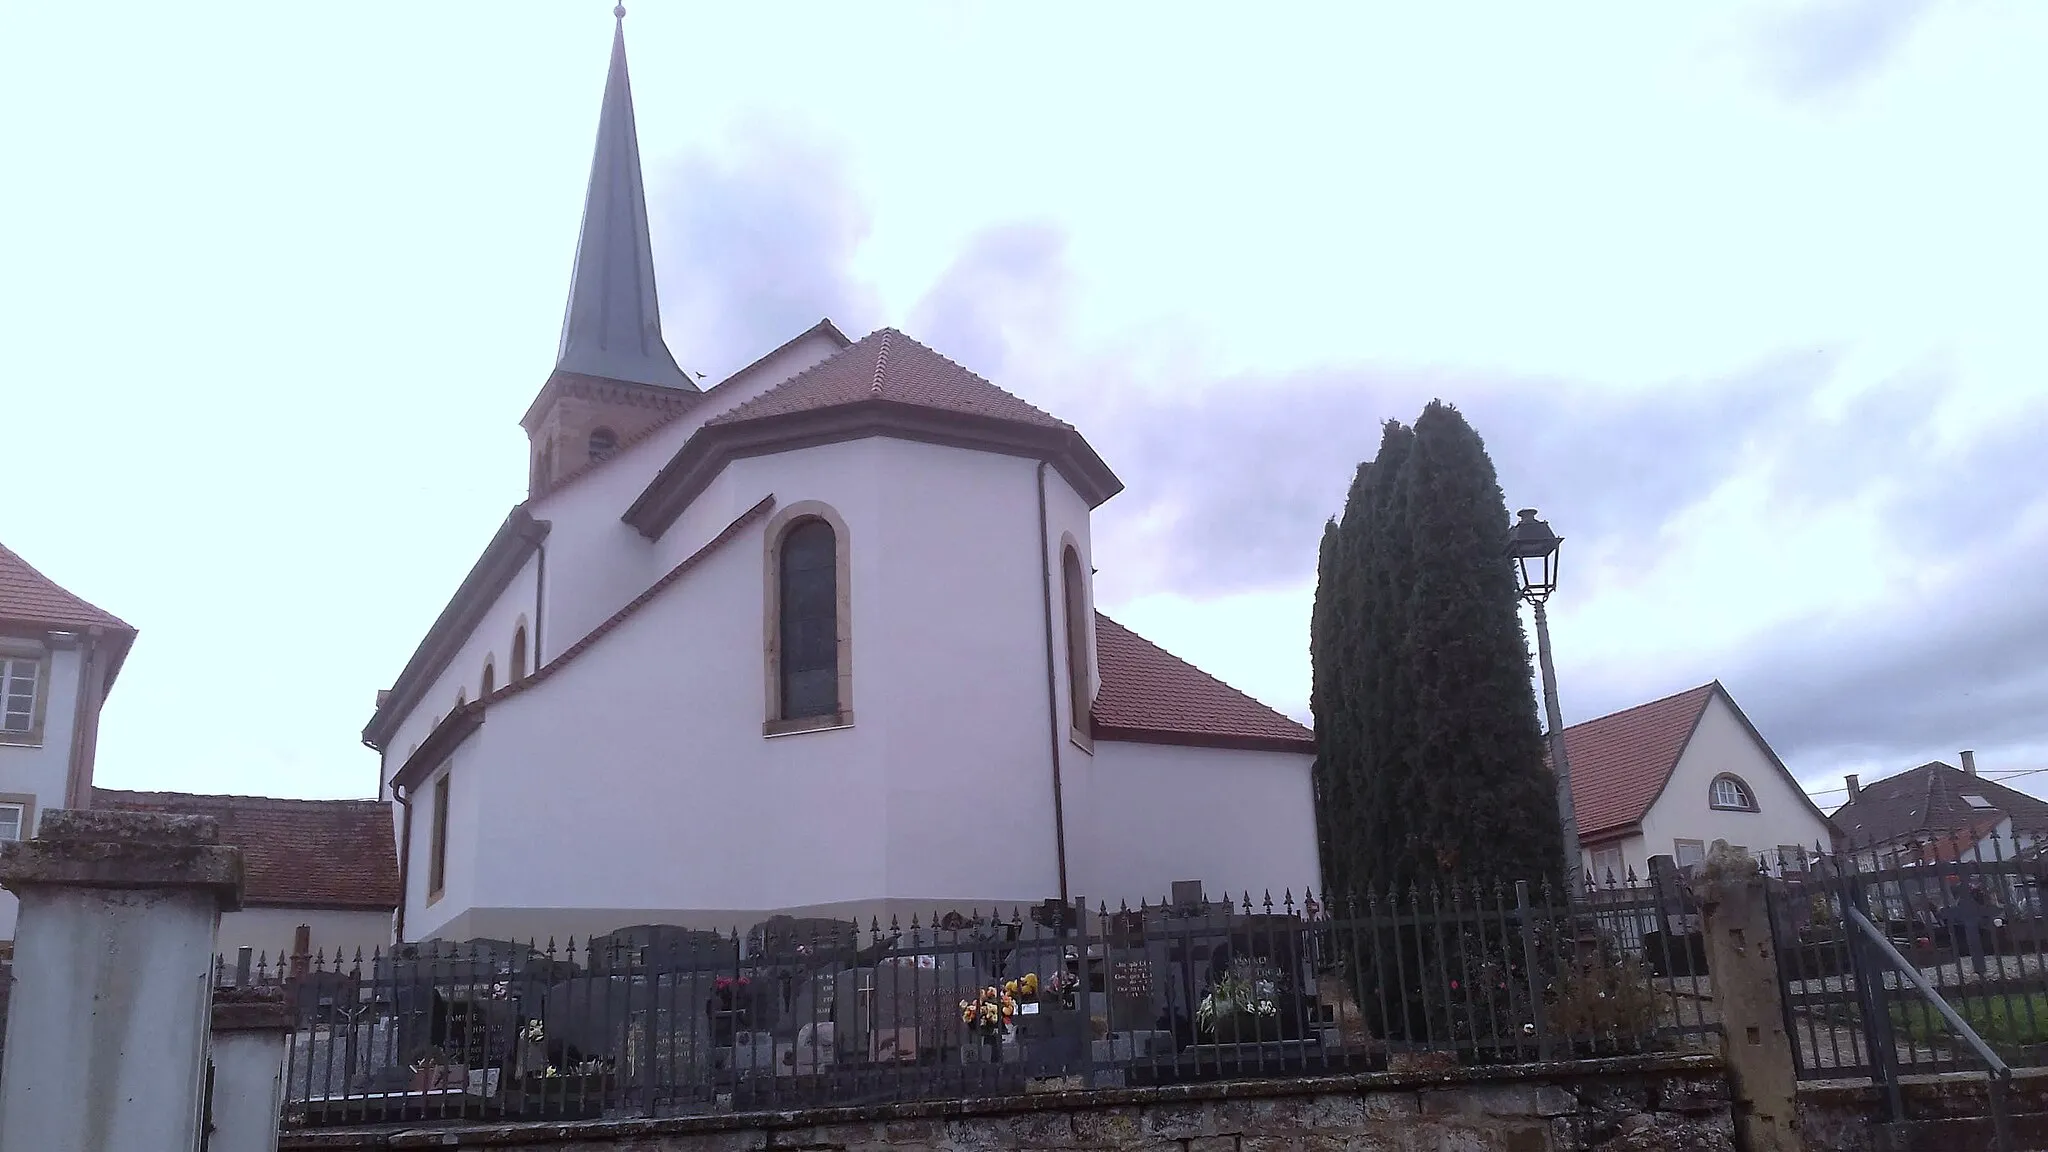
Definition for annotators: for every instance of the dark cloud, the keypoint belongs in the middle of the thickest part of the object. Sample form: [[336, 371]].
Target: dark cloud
[[1830, 45], [1006, 291], [755, 245]]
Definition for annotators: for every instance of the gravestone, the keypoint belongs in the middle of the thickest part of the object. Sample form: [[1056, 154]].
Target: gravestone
[[651, 948], [802, 941]]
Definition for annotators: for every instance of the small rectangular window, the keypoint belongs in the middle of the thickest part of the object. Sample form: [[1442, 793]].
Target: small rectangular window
[[1689, 853], [1607, 865], [18, 693], [11, 817], [437, 860], [1976, 802]]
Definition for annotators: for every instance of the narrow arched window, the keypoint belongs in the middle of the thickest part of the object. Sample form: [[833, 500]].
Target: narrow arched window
[[1075, 589], [809, 623], [1732, 794], [602, 443], [518, 665], [490, 680]]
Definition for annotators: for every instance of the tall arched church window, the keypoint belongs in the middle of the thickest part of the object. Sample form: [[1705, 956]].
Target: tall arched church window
[[490, 682], [808, 600], [1074, 586], [518, 665]]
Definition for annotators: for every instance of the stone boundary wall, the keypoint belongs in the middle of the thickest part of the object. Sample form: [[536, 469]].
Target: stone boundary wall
[[1631, 1104], [1849, 1116]]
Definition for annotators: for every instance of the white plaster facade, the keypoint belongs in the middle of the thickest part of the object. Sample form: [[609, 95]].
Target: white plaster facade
[[637, 785], [1683, 817], [58, 658]]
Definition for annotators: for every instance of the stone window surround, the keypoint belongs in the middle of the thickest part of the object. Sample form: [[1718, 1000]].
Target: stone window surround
[[785, 518], [1748, 794], [27, 803], [437, 839], [22, 648], [1081, 682]]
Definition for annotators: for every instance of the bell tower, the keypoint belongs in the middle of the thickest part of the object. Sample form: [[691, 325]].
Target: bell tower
[[614, 377]]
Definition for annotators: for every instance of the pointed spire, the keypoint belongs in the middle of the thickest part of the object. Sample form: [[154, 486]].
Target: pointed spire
[[612, 327]]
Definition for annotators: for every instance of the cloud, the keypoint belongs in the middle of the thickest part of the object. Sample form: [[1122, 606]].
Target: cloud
[[1830, 45], [1231, 477], [755, 243]]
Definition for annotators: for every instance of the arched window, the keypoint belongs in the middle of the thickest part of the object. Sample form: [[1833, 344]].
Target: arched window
[[808, 624], [1731, 794], [1074, 586], [602, 443], [490, 680], [518, 665]]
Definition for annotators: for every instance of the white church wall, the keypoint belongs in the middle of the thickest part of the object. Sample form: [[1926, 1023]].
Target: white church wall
[[492, 640], [664, 796], [1157, 813], [472, 776], [596, 562]]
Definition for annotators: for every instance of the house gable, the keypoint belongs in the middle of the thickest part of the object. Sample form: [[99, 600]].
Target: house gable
[[1724, 743]]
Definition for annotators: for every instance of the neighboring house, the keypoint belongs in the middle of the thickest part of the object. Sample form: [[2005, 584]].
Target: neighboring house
[[819, 639], [320, 877], [1935, 804], [1670, 777], [58, 659]]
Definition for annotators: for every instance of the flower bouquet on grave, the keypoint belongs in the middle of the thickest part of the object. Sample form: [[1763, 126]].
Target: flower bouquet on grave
[[988, 1016], [1242, 1001]]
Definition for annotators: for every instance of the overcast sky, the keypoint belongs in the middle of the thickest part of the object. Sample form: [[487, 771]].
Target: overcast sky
[[1747, 298]]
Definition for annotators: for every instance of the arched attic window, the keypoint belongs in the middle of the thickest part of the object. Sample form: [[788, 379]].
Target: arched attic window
[[518, 663], [1074, 588], [807, 621], [603, 442], [490, 681], [1729, 794]]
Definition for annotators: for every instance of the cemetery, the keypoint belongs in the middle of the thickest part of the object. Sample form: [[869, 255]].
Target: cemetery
[[661, 1020]]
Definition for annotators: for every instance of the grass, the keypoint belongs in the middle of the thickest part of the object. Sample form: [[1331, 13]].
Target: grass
[[2008, 1022]]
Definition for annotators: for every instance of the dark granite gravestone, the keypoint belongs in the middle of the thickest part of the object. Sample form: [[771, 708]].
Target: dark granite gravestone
[[650, 948]]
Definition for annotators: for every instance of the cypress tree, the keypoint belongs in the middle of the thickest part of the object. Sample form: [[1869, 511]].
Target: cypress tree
[[1478, 802]]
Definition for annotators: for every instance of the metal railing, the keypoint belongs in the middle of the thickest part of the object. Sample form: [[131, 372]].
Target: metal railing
[[1925, 957], [666, 1021]]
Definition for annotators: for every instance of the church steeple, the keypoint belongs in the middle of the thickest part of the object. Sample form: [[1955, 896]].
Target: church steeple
[[614, 378], [612, 327]]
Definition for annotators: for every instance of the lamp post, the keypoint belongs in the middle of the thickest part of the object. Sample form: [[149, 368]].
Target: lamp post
[[1534, 547]]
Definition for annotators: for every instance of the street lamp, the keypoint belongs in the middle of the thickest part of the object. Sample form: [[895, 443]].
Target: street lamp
[[1533, 547]]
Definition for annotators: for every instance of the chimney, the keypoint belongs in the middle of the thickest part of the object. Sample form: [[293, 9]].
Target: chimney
[[1851, 778], [1970, 763]]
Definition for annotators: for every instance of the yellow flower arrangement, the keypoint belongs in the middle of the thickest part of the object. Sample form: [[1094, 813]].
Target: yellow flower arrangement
[[991, 1010]]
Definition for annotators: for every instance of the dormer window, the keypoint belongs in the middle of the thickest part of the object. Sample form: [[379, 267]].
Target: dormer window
[[1730, 794], [603, 442]]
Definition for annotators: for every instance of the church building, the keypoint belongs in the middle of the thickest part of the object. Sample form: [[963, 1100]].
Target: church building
[[819, 639]]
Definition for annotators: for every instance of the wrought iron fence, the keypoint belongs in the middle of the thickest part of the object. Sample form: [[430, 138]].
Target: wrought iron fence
[[664, 1021], [1963, 912]]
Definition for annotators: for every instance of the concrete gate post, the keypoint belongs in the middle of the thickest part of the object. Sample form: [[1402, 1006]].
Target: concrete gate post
[[250, 1031], [113, 967], [1743, 965]]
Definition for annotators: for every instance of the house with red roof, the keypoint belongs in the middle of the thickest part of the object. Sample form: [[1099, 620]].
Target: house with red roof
[[319, 877], [59, 655], [818, 639], [1670, 777]]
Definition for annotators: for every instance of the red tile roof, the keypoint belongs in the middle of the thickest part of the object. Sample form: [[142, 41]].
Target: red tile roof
[[295, 853], [1151, 696], [887, 365], [1620, 762], [27, 596]]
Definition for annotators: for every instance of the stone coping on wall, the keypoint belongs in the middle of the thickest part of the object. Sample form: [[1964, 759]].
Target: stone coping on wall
[[133, 851], [1703, 1075]]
